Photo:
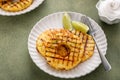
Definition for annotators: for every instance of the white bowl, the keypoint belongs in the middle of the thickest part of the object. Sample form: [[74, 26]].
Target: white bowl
[[104, 18], [55, 21], [34, 5]]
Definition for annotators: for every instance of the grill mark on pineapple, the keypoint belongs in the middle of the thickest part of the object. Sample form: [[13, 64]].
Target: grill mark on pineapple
[[66, 49], [59, 58], [85, 46], [55, 50]]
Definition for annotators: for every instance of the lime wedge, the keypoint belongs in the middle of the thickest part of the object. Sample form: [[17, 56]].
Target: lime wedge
[[80, 26], [67, 21]]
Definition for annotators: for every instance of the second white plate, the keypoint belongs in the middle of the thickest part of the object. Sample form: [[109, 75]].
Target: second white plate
[[34, 5], [55, 21]]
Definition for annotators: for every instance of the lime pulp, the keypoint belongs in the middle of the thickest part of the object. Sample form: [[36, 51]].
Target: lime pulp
[[80, 26]]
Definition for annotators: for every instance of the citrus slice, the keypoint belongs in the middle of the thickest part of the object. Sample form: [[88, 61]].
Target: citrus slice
[[80, 26], [67, 21]]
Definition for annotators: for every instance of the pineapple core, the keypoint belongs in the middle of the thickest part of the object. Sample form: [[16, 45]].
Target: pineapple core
[[63, 50]]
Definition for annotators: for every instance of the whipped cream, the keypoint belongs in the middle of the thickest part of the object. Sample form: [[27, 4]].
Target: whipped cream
[[110, 9]]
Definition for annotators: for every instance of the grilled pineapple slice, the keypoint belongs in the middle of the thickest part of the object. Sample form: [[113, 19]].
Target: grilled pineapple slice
[[12, 6], [64, 49]]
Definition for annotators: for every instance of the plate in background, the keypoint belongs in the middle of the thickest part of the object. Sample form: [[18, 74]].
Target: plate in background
[[34, 5]]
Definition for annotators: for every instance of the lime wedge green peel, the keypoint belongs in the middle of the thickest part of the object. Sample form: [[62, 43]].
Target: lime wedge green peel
[[70, 25], [67, 21], [80, 26]]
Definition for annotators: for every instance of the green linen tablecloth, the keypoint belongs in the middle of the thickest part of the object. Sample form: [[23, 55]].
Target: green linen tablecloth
[[15, 61]]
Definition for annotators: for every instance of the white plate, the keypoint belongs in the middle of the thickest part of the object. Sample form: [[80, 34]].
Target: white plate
[[34, 5], [55, 21]]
